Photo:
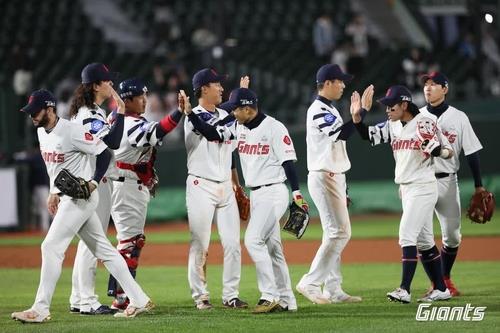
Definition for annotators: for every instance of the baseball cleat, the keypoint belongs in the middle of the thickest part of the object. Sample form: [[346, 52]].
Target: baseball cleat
[[120, 302], [204, 305], [343, 297], [313, 294], [29, 316], [235, 303], [264, 306], [436, 295], [132, 311], [102, 310], [288, 304], [399, 295], [451, 286], [74, 310]]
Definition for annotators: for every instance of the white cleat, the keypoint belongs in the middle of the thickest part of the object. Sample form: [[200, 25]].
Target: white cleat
[[313, 294], [399, 295], [288, 304], [343, 297], [29, 316], [132, 311], [204, 305], [436, 295]]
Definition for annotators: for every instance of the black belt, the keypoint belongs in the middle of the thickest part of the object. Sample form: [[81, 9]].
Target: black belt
[[443, 175], [257, 187], [122, 179]]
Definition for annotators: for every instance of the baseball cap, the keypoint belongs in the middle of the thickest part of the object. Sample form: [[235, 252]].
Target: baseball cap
[[96, 71], [437, 77], [395, 95], [332, 72], [38, 100], [132, 87], [206, 76], [240, 97]]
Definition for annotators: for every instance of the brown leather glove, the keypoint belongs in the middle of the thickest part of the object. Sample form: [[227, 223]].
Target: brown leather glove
[[243, 203], [481, 207]]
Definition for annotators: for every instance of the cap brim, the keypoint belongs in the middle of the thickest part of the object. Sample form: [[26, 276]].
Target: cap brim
[[30, 108], [424, 78], [346, 77], [387, 101], [227, 106]]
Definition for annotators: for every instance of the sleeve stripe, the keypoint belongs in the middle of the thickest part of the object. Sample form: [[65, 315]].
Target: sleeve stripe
[[325, 125], [320, 115], [335, 131], [139, 137], [148, 136], [130, 131], [88, 120]]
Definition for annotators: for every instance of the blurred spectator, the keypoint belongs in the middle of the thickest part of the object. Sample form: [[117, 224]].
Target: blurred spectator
[[357, 31], [324, 36], [413, 65], [64, 91], [22, 78], [467, 47], [491, 67], [341, 54], [39, 186], [204, 39]]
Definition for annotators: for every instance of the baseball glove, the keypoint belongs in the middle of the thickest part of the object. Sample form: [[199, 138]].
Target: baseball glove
[[75, 187], [297, 221], [481, 207], [243, 203]]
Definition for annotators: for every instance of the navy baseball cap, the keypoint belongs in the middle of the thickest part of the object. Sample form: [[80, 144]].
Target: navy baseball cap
[[395, 95], [240, 97], [437, 77], [206, 76], [38, 100], [332, 72], [95, 72], [132, 87]]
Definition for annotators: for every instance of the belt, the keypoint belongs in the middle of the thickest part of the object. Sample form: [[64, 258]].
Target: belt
[[443, 175], [257, 187], [122, 180]]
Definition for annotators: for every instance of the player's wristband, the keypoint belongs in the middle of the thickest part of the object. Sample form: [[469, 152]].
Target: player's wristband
[[93, 181]]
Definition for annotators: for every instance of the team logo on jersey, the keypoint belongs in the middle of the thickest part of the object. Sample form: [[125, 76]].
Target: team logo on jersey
[[144, 127], [205, 116], [89, 137], [52, 157], [329, 118], [258, 149], [287, 140], [451, 136], [382, 124], [96, 125]]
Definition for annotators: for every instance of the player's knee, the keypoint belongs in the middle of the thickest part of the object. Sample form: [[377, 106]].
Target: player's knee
[[253, 242], [407, 241], [452, 240], [231, 247]]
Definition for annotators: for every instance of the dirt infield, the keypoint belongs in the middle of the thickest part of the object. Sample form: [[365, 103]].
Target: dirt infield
[[296, 252]]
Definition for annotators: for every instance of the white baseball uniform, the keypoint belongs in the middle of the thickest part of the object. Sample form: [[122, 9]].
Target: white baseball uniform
[[130, 196], [415, 175], [70, 146], [327, 162], [456, 127], [210, 197], [83, 294], [262, 151]]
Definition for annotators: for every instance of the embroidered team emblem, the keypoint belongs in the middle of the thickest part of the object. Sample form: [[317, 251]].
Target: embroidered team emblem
[[287, 140], [382, 124], [329, 118], [96, 126], [205, 116], [196, 182], [144, 127], [89, 137]]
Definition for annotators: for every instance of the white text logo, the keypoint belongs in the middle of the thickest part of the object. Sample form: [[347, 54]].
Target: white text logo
[[450, 313]]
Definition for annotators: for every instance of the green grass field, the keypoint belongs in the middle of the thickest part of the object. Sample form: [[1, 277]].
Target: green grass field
[[175, 311], [377, 227]]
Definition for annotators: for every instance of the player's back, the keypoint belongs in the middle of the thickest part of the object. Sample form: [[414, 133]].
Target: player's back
[[324, 151]]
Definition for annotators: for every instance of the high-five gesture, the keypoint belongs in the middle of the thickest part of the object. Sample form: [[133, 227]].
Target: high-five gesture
[[367, 98], [119, 101], [184, 103], [245, 82]]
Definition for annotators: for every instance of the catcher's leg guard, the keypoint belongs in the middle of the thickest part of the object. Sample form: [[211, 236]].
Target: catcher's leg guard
[[130, 249]]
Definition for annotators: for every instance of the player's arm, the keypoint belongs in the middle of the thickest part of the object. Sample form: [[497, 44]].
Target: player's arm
[[101, 166], [471, 147], [114, 136], [443, 148], [235, 178], [293, 180], [363, 105]]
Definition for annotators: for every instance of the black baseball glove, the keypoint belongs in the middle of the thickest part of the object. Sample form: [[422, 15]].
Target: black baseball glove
[[75, 187], [297, 221]]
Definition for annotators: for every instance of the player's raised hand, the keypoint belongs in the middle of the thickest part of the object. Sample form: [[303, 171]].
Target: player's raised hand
[[367, 98], [186, 104], [356, 107], [245, 82], [119, 101]]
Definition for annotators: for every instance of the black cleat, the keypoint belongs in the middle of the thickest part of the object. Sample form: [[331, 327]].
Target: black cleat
[[235, 303], [74, 310], [102, 310]]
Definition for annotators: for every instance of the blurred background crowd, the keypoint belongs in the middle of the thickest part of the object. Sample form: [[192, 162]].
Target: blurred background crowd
[[279, 43]]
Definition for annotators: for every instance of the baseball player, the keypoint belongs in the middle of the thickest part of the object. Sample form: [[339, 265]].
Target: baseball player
[[416, 142], [456, 126], [210, 196], [68, 145], [96, 87], [267, 155], [327, 162], [136, 178]]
